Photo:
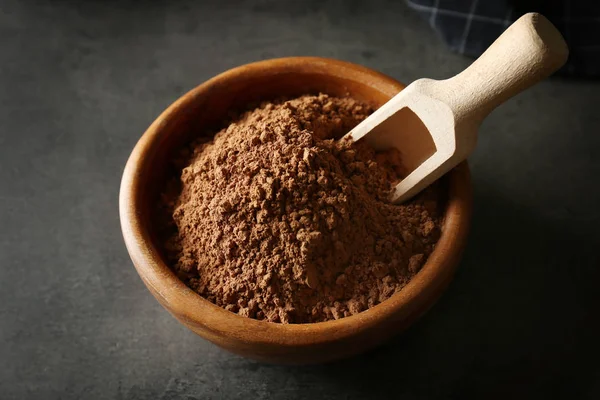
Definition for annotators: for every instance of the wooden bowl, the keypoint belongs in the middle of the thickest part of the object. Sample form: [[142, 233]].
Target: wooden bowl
[[206, 107]]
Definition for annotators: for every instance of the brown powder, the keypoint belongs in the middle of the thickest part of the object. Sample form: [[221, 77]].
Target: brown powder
[[275, 221]]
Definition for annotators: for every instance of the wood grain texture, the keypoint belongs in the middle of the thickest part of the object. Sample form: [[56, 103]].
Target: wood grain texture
[[206, 106]]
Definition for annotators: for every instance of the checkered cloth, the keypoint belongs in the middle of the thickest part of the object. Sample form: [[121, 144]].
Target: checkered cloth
[[470, 26]]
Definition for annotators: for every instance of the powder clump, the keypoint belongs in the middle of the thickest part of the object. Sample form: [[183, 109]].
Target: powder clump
[[277, 220]]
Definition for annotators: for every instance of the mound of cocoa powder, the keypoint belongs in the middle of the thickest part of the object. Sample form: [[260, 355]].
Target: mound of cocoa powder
[[278, 221]]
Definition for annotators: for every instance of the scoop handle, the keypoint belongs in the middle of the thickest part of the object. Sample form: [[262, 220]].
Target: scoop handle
[[530, 50]]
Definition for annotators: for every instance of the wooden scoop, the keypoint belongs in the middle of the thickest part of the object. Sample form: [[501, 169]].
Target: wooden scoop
[[434, 123]]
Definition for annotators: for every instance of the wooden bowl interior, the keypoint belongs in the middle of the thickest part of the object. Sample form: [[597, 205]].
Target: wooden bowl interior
[[203, 113]]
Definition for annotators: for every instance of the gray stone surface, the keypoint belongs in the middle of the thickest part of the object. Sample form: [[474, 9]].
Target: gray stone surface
[[80, 81]]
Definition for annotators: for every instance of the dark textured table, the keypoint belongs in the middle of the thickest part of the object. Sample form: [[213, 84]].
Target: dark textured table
[[80, 81]]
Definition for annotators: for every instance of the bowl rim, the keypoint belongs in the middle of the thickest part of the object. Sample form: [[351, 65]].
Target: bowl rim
[[191, 308]]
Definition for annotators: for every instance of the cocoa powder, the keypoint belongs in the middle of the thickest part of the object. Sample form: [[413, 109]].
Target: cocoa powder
[[278, 221]]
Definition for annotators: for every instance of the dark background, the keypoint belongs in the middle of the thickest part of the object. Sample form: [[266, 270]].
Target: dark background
[[80, 82]]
